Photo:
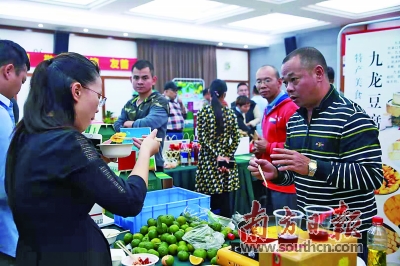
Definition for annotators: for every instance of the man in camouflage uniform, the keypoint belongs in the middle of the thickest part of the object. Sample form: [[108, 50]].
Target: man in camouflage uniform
[[147, 109]]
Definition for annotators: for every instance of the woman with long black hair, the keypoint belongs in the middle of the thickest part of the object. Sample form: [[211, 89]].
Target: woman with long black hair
[[218, 133], [54, 174]]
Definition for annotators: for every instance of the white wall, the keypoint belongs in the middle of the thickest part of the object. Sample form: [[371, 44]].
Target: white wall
[[31, 42], [118, 91], [232, 65]]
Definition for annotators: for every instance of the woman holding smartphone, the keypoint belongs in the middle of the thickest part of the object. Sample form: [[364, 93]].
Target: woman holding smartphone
[[217, 129]]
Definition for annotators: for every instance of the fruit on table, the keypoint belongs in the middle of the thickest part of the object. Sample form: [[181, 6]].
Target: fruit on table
[[200, 253], [231, 236], [167, 260], [211, 253], [183, 255], [128, 237], [195, 260]]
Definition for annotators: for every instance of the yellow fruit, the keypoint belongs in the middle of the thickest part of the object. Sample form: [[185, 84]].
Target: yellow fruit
[[118, 137], [195, 260]]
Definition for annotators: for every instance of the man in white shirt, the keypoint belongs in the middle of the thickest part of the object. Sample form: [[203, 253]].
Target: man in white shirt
[[261, 103]]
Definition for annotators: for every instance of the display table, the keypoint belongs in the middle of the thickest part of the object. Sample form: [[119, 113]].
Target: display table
[[184, 176]]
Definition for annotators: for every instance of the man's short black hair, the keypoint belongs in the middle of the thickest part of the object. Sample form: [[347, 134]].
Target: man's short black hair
[[240, 84], [331, 73], [140, 64], [13, 53]]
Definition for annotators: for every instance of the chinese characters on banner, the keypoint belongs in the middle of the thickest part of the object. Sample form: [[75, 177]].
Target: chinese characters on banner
[[105, 63], [372, 79]]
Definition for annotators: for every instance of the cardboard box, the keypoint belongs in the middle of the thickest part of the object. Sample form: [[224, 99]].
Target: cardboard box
[[314, 255]]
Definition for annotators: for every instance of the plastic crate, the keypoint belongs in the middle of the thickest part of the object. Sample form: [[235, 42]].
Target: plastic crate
[[167, 201]]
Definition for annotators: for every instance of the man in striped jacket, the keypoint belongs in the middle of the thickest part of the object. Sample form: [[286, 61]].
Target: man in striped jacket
[[332, 152]]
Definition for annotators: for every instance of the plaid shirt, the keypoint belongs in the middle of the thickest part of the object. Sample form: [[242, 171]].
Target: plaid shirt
[[175, 119]]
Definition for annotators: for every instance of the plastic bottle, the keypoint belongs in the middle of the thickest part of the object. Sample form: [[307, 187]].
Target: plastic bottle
[[184, 154], [195, 153], [377, 243]]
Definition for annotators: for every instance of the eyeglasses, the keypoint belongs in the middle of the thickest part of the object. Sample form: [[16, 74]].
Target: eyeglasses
[[265, 81], [102, 99]]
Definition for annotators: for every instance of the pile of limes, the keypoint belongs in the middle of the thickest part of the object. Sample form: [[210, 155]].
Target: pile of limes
[[164, 238]]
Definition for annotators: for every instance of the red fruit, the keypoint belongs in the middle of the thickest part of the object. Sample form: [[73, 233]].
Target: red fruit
[[231, 236]]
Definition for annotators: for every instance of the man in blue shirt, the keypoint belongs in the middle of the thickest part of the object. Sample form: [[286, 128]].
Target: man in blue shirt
[[14, 65]]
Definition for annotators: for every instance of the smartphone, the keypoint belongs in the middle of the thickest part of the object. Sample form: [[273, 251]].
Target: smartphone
[[227, 165], [95, 139]]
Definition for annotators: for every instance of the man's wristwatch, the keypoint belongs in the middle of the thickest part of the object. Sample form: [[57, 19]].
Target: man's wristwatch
[[312, 167]]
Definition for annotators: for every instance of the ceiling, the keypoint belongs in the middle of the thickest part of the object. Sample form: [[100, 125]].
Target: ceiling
[[242, 24]]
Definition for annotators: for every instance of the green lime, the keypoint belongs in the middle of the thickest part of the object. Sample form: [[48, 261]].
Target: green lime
[[183, 247], [145, 238], [168, 260], [181, 220], [135, 243], [135, 250], [148, 245], [225, 245], [138, 236], [211, 253], [164, 244], [225, 233], [194, 224], [235, 232], [164, 237], [190, 248], [228, 229], [118, 241], [183, 255], [179, 235], [175, 222], [154, 252], [156, 242], [128, 237], [163, 251], [171, 239], [152, 234], [141, 244], [142, 250], [169, 220], [200, 253], [188, 229], [151, 222], [173, 228], [184, 226], [181, 242], [214, 261], [162, 229], [153, 227], [173, 249], [216, 227], [144, 229]]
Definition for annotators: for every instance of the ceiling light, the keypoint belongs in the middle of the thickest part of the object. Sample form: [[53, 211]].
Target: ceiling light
[[76, 2], [125, 34], [40, 25], [220, 44], [85, 30], [245, 46], [277, 22], [358, 6], [189, 10]]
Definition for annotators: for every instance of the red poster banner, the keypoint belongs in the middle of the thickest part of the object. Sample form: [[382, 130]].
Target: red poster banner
[[105, 63]]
